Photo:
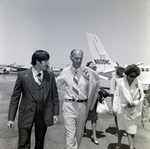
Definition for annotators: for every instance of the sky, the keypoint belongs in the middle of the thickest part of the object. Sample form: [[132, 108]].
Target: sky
[[59, 26]]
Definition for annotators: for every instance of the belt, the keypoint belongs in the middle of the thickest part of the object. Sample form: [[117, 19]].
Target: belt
[[79, 100]]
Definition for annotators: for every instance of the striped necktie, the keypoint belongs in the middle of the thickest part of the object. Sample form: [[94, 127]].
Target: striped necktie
[[75, 86], [39, 79]]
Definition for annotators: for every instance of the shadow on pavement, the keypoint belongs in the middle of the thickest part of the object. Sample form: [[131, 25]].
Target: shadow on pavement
[[89, 134], [113, 145], [111, 130]]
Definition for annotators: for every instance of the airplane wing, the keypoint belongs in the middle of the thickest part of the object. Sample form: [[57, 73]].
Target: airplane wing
[[140, 63], [103, 77], [109, 71], [17, 68], [20, 68]]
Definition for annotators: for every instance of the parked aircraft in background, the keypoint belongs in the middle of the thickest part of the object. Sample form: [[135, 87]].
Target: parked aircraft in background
[[2, 71], [20, 67], [7, 69], [106, 67], [16, 68], [56, 71]]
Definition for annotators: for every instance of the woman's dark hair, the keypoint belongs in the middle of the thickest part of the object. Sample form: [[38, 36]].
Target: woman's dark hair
[[132, 68], [39, 55], [102, 93], [118, 70], [89, 63]]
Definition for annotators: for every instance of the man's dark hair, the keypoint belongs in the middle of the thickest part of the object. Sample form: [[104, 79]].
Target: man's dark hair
[[132, 68], [89, 63], [39, 55]]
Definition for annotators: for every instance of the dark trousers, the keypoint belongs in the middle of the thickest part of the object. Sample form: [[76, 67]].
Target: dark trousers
[[40, 130]]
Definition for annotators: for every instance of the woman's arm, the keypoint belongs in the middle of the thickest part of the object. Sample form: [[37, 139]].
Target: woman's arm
[[140, 98], [116, 99]]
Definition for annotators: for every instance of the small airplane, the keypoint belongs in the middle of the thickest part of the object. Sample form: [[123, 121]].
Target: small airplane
[[14, 68], [106, 67], [17, 68], [20, 68], [7, 69], [2, 71]]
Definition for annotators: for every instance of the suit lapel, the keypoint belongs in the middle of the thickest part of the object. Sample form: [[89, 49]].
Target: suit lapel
[[136, 87], [126, 90], [30, 83], [47, 83]]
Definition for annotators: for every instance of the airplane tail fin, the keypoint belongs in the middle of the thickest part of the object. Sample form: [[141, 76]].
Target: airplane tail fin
[[99, 55]]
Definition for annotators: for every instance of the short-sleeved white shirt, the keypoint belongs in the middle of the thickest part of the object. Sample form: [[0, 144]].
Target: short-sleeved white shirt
[[113, 83]]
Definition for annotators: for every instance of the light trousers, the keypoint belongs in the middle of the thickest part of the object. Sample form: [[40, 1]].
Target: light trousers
[[74, 114]]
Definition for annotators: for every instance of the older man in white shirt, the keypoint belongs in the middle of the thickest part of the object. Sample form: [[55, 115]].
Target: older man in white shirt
[[81, 87]]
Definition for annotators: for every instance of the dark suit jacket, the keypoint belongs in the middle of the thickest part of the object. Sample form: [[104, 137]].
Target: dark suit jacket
[[26, 88]]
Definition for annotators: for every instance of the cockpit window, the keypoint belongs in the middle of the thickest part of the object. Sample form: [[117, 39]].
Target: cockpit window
[[142, 69], [147, 69]]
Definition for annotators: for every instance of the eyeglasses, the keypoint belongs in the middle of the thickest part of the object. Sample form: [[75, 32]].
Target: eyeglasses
[[131, 76], [94, 67]]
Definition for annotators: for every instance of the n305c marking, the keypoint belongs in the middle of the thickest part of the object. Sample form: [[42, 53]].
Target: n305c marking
[[101, 61]]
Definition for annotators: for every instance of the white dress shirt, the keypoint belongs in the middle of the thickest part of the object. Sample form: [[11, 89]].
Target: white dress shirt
[[66, 79], [113, 83], [35, 73]]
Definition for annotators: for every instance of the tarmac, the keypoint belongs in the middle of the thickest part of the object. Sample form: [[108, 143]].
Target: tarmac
[[55, 136]]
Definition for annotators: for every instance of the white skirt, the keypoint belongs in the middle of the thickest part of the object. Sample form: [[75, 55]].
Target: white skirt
[[130, 126]]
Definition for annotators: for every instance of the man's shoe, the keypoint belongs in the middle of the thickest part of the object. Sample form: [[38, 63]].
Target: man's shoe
[[95, 141]]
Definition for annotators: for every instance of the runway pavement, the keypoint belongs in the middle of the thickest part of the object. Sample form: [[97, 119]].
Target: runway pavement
[[55, 136]]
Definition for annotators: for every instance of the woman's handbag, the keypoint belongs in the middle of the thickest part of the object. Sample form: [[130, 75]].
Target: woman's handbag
[[102, 107]]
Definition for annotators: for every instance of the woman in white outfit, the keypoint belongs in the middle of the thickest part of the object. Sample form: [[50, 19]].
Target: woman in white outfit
[[127, 103]]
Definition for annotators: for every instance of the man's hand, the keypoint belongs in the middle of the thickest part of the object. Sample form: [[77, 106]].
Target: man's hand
[[136, 103], [124, 105], [86, 74], [55, 119], [115, 113], [10, 125], [143, 120]]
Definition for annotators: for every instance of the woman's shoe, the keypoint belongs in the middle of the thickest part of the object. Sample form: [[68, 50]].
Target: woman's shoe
[[84, 134], [95, 141], [125, 134]]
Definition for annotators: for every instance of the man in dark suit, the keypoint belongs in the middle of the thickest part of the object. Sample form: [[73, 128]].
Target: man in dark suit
[[39, 105]]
